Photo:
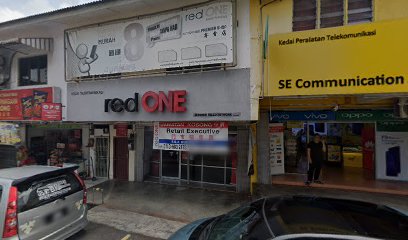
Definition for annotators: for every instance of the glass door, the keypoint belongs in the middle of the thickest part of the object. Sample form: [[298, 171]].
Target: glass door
[[170, 164]]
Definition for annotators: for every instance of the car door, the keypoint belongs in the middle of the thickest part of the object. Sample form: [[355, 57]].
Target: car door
[[47, 206]]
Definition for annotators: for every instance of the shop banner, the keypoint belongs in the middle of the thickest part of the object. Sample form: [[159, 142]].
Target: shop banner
[[365, 115], [191, 136], [25, 104], [51, 112], [276, 148], [9, 133], [187, 37], [324, 62], [301, 116], [391, 153]]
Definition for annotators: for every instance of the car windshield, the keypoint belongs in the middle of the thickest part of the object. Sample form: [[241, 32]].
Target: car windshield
[[310, 215], [243, 223]]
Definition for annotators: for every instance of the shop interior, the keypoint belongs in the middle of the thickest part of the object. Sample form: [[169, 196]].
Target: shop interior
[[349, 160], [55, 146]]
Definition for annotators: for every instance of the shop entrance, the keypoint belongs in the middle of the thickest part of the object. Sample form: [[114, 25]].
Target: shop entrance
[[121, 158], [170, 164], [349, 159], [199, 169]]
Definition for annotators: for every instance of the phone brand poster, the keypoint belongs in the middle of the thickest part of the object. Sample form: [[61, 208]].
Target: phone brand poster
[[276, 148], [187, 37], [391, 153]]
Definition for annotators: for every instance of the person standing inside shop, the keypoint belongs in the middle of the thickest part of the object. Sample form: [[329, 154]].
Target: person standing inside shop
[[315, 156]]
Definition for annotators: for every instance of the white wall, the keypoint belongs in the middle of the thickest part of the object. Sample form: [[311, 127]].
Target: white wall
[[56, 61], [55, 71], [243, 35]]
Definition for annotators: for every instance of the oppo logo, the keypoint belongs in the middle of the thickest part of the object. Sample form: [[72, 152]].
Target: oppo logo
[[357, 115], [172, 101]]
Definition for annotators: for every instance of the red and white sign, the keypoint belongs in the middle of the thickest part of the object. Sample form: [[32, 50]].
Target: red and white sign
[[25, 104], [51, 112], [191, 136], [276, 148]]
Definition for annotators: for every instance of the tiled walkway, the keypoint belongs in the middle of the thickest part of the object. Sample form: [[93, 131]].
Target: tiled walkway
[[346, 179]]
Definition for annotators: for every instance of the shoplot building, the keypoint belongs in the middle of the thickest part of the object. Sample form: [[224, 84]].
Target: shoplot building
[[344, 78], [135, 87]]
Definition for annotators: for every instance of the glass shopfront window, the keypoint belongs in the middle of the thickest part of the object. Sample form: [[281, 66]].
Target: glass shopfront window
[[212, 168]]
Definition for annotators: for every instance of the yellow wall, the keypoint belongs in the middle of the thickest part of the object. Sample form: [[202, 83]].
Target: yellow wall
[[390, 9], [280, 16], [280, 13]]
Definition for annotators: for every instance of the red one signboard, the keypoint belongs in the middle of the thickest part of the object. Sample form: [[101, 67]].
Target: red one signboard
[[51, 112], [24, 104]]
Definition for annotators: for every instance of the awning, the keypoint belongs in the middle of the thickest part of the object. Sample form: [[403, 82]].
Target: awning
[[28, 45]]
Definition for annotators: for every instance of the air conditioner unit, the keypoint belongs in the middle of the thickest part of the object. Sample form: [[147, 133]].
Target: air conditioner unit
[[401, 108]]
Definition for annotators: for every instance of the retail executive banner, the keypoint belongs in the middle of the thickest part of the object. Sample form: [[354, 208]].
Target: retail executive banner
[[355, 59], [191, 136], [187, 37]]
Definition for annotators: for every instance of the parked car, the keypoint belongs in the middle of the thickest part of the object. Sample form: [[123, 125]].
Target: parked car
[[301, 217], [41, 202]]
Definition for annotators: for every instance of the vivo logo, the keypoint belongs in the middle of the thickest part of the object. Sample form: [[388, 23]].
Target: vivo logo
[[316, 116], [280, 116]]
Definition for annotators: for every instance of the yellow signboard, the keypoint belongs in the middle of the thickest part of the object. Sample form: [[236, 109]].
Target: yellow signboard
[[356, 59]]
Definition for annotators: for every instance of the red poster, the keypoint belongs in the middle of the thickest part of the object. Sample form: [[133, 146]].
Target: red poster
[[51, 112], [121, 130], [24, 104]]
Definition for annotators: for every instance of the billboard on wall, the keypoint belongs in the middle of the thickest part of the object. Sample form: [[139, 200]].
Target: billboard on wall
[[187, 37], [355, 59], [26, 104], [191, 136]]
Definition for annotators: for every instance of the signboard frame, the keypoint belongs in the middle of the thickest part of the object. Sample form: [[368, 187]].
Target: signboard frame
[[92, 51], [379, 69], [191, 136]]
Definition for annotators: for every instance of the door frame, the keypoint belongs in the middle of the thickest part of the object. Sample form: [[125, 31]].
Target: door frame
[[115, 160], [107, 156], [161, 167]]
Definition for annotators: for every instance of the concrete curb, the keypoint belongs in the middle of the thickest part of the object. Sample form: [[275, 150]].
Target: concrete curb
[[134, 222]]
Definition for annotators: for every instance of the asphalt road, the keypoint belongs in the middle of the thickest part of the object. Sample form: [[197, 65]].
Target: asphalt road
[[101, 232]]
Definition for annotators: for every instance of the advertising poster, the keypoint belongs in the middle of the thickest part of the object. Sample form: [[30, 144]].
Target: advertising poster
[[51, 112], [276, 148], [188, 37], [9, 134], [24, 104], [191, 136], [391, 152]]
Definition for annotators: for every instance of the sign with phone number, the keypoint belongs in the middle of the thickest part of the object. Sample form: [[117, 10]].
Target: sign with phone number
[[191, 136], [186, 37]]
